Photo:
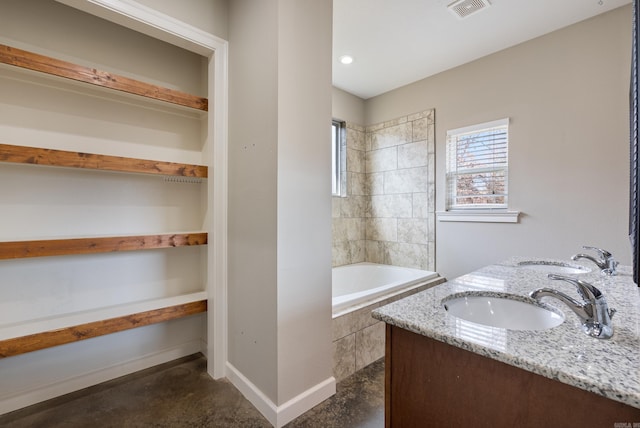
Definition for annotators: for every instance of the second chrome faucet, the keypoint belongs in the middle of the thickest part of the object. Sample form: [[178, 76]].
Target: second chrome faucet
[[605, 262]]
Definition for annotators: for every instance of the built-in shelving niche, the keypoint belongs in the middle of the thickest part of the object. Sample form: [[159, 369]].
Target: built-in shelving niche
[[40, 333]]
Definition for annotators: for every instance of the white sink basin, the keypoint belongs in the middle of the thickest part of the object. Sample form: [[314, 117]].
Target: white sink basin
[[502, 312], [559, 268]]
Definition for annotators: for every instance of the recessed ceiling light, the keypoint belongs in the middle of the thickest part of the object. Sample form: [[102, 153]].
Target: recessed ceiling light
[[346, 59]]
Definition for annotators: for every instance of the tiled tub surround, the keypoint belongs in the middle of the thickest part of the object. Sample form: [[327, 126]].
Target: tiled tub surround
[[387, 215], [348, 211], [358, 338], [606, 367]]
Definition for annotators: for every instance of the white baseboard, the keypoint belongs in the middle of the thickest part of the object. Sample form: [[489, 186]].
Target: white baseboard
[[306, 401], [278, 416], [85, 380]]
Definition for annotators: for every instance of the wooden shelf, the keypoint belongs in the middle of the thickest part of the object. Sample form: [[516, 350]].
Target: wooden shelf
[[27, 336], [46, 333], [44, 64], [67, 159], [61, 247]]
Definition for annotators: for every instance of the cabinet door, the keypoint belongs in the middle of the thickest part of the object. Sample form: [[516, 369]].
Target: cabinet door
[[433, 384]]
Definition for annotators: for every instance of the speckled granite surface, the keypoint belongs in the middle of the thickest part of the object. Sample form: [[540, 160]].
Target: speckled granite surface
[[610, 368]]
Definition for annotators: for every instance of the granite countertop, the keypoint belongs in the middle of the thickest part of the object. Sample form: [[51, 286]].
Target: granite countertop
[[610, 368]]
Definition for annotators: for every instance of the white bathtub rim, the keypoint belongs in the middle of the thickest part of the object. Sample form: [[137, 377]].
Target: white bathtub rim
[[373, 273], [384, 297], [342, 305]]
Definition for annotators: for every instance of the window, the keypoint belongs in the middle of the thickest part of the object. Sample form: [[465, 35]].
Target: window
[[477, 174], [477, 165], [336, 161]]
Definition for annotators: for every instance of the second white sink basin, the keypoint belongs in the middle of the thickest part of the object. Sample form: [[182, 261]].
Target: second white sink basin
[[559, 268], [502, 312]]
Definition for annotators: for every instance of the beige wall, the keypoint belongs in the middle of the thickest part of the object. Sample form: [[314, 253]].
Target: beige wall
[[279, 200], [567, 96], [347, 107], [88, 40], [253, 150], [304, 198], [208, 15]]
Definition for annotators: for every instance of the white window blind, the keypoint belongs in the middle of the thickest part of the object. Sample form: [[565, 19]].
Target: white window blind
[[336, 176], [477, 166]]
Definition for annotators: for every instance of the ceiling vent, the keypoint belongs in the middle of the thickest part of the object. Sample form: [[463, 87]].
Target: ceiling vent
[[464, 8]]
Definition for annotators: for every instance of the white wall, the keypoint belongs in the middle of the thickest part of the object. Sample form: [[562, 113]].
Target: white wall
[[279, 204], [567, 96], [42, 202]]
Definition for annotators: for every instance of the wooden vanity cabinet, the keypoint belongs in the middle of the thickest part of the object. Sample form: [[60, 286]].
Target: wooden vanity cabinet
[[433, 384]]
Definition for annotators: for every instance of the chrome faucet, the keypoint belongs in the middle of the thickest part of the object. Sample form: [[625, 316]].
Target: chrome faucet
[[606, 263], [593, 312]]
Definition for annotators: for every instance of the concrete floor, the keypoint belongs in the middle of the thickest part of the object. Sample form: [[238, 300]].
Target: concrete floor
[[181, 394]]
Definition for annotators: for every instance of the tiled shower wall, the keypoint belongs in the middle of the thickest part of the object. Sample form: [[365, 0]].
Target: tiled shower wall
[[349, 211], [388, 214]]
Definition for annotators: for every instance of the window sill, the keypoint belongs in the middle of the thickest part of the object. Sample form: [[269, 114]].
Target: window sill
[[479, 216]]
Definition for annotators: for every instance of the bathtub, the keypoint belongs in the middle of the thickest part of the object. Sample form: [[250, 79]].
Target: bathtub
[[359, 283], [358, 289]]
